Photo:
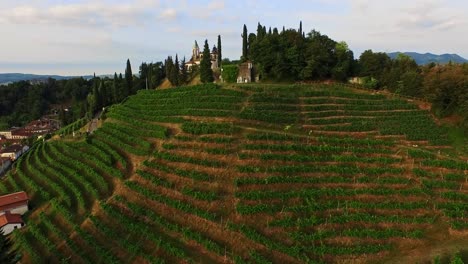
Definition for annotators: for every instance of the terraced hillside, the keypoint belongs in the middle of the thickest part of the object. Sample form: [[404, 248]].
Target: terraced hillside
[[249, 174]]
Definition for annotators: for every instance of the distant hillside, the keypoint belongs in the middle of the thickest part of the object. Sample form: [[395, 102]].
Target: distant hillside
[[16, 77], [427, 58]]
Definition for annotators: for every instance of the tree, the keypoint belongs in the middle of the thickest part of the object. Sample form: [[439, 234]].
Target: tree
[[129, 78], [175, 72], [220, 58], [7, 255], [373, 64], [244, 44], [300, 28], [170, 69], [319, 55], [230, 73], [183, 72], [345, 58], [206, 73]]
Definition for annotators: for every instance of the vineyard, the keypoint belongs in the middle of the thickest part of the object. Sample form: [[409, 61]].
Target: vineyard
[[246, 174]]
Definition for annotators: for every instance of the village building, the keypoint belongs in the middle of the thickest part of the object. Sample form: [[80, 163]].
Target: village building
[[34, 128], [197, 56], [14, 151], [9, 222], [5, 164], [246, 73], [5, 134], [14, 203]]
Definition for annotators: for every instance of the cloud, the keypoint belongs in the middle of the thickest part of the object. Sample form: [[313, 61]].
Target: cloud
[[216, 5], [168, 14], [85, 14], [213, 9]]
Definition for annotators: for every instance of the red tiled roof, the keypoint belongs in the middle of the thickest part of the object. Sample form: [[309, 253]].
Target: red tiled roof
[[13, 148], [8, 218], [21, 132], [13, 199]]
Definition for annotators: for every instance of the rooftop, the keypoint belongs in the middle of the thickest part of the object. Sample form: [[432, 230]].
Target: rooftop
[[12, 148], [13, 198], [8, 218]]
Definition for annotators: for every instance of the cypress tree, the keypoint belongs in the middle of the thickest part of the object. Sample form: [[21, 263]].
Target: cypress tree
[[97, 99], [260, 34], [244, 44], [300, 28], [115, 90], [183, 72], [219, 51], [169, 69], [176, 71], [129, 78], [7, 255], [206, 73]]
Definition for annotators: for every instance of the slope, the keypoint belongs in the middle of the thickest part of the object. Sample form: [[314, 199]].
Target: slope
[[256, 174]]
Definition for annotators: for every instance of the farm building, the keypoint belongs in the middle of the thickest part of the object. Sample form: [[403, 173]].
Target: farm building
[[14, 151], [14, 203], [10, 222], [246, 73]]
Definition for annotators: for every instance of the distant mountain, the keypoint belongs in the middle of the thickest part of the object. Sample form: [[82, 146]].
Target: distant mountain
[[16, 77], [427, 58]]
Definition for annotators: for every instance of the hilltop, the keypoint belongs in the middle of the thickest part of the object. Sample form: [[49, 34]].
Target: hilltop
[[426, 58], [16, 77], [246, 174]]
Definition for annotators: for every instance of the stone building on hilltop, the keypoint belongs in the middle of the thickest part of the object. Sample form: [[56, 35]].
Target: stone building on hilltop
[[246, 72]]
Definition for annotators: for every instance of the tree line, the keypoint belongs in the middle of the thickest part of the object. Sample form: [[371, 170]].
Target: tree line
[[22, 102], [445, 86], [293, 55]]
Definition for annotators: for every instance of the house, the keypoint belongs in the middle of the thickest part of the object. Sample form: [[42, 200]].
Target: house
[[36, 127], [14, 203], [6, 134], [10, 222], [14, 151], [20, 133], [5, 163], [246, 73], [195, 60]]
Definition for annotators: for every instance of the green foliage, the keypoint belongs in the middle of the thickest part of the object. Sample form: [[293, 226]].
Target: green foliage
[[245, 43], [229, 73], [206, 73], [290, 55], [129, 77], [7, 254], [220, 54], [199, 128]]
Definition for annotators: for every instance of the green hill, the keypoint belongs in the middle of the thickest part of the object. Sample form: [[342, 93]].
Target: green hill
[[246, 174]]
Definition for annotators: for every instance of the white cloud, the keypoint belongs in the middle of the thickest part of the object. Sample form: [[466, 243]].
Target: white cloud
[[168, 14], [83, 14]]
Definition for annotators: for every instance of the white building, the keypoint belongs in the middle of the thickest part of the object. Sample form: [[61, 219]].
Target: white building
[[10, 222], [13, 152], [197, 56], [14, 203]]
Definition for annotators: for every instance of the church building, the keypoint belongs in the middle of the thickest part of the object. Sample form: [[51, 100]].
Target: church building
[[197, 56]]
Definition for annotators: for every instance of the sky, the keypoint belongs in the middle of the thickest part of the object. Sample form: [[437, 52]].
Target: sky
[[82, 37]]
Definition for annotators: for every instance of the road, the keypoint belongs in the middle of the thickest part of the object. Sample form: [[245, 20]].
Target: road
[[93, 125]]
